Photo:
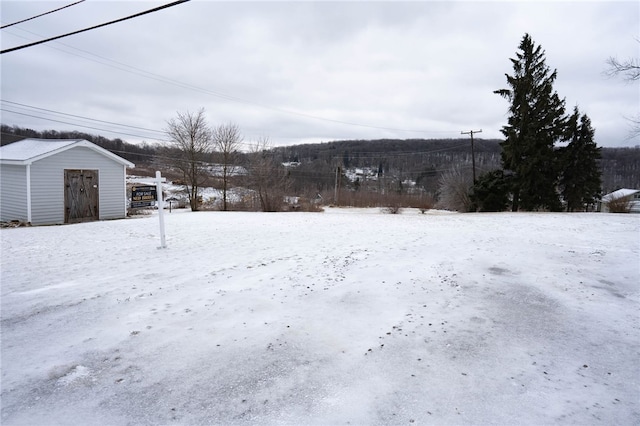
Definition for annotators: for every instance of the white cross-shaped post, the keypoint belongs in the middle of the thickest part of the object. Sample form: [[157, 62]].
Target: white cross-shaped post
[[159, 181]]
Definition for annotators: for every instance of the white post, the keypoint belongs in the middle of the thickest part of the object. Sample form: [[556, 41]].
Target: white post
[[159, 181]]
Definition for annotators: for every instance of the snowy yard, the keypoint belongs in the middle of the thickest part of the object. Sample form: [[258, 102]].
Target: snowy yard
[[342, 317]]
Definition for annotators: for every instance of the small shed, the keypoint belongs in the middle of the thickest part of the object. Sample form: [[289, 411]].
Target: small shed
[[622, 200], [55, 181]]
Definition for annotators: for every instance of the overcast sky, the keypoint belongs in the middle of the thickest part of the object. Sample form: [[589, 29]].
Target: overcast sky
[[310, 71]]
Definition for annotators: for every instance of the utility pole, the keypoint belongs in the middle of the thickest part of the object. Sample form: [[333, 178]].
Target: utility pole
[[473, 154]]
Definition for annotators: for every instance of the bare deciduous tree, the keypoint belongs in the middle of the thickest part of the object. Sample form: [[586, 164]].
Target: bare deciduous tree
[[226, 142], [190, 135], [454, 186], [267, 177], [629, 70]]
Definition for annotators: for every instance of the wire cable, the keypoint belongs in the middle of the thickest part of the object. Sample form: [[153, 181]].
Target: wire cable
[[29, 113], [82, 117], [81, 125], [42, 14], [167, 80], [155, 9]]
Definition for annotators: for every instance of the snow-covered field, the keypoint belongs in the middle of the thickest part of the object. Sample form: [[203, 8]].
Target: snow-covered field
[[342, 317]]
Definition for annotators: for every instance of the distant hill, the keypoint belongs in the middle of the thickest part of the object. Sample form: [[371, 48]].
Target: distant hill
[[413, 159], [409, 155]]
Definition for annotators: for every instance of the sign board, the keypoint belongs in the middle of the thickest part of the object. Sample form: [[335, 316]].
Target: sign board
[[143, 196]]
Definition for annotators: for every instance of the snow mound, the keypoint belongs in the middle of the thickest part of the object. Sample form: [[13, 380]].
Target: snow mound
[[76, 374]]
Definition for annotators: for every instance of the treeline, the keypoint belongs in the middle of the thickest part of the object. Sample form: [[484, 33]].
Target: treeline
[[409, 155], [420, 160], [620, 168], [427, 159], [393, 161]]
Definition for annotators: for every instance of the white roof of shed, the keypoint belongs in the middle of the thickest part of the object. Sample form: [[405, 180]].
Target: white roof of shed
[[623, 192], [27, 151]]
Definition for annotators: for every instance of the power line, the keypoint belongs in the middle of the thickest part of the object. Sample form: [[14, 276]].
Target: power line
[[42, 14], [368, 155], [155, 9], [80, 125], [167, 80], [82, 117], [116, 132], [163, 79], [359, 155]]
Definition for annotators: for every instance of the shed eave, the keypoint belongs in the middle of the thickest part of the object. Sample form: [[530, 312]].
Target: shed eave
[[15, 162]]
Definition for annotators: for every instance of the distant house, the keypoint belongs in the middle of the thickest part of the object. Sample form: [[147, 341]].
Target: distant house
[[622, 198], [55, 181]]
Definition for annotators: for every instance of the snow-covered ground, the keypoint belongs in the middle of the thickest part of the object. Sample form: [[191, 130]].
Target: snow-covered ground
[[323, 318]]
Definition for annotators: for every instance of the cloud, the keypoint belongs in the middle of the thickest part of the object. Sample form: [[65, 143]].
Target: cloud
[[312, 71]]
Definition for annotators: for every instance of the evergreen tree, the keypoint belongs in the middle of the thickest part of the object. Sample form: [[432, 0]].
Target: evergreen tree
[[490, 193], [536, 122], [580, 180]]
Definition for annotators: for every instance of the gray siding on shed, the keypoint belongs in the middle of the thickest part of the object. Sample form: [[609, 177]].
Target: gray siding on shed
[[47, 184], [13, 186]]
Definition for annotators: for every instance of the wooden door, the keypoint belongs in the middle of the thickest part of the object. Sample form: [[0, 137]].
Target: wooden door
[[80, 195]]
